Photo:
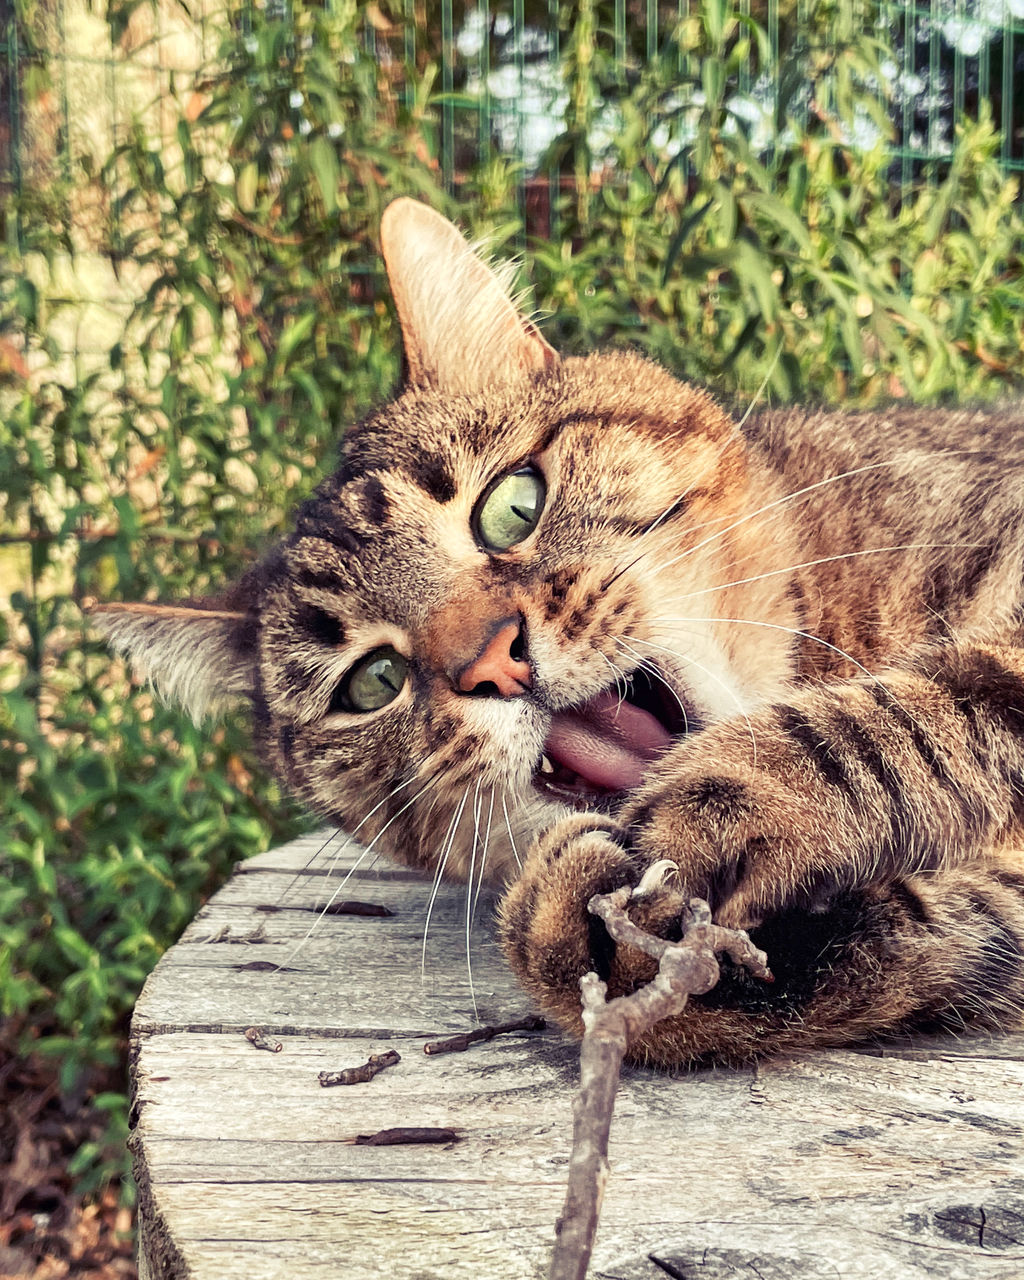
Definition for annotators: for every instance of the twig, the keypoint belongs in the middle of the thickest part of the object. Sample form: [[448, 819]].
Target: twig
[[224, 934], [458, 1044], [347, 907], [398, 1137], [258, 1040], [375, 1064], [688, 967]]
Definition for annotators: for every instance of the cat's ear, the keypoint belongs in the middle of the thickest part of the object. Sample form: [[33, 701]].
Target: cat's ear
[[461, 330], [198, 654]]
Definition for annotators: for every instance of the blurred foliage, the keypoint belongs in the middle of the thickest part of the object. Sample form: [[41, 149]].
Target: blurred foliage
[[742, 239], [707, 205]]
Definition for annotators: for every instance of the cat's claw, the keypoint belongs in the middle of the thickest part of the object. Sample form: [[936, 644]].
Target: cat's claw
[[550, 937], [659, 875]]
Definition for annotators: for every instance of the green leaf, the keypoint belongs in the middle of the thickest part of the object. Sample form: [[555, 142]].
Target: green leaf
[[324, 161]]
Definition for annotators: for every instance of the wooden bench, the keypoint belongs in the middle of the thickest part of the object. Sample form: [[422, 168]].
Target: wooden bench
[[897, 1162]]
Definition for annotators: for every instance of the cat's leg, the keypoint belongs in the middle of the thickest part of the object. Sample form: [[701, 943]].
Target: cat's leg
[[852, 830], [927, 952]]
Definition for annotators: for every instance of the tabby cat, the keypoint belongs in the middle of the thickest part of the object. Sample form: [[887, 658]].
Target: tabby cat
[[572, 605]]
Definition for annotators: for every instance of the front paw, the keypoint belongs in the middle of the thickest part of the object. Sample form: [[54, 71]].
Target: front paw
[[550, 938]]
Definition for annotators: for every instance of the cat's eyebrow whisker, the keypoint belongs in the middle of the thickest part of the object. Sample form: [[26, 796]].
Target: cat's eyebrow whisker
[[810, 564], [442, 862], [764, 383], [685, 657], [672, 506], [751, 515]]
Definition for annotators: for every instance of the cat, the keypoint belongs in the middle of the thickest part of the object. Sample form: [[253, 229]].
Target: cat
[[571, 604]]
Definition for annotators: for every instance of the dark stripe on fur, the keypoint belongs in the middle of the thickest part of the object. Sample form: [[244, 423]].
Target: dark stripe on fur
[[433, 476], [932, 754], [984, 685], [815, 744], [910, 900], [873, 758], [998, 967], [321, 625]]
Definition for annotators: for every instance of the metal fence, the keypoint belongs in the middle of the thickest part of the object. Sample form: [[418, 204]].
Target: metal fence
[[69, 81]]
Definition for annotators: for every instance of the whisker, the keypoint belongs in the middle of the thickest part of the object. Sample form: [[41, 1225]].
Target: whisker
[[469, 892], [442, 862], [298, 875], [806, 635], [483, 857], [764, 382], [792, 497], [810, 564], [511, 838], [645, 664], [358, 863], [415, 777], [768, 506], [685, 657], [619, 676]]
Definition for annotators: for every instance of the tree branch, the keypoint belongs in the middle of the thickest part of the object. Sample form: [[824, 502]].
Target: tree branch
[[687, 967]]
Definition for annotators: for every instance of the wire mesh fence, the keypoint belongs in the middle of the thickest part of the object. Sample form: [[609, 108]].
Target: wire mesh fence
[[72, 77]]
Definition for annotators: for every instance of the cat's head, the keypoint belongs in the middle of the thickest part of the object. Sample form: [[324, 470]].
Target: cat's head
[[509, 597]]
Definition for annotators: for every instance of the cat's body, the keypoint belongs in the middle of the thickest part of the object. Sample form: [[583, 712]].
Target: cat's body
[[573, 605]]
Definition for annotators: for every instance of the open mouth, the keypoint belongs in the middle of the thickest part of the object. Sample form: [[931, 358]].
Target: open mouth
[[600, 750]]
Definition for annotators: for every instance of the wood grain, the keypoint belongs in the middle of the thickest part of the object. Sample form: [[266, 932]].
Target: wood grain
[[898, 1161]]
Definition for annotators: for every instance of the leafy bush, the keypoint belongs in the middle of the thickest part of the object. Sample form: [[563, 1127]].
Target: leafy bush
[[745, 242], [710, 208]]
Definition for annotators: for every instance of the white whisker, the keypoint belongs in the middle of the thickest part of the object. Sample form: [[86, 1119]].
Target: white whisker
[[764, 382], [483, 857], [469, 892], [810, 564], [651, 668], [806, 635], [442, 861], [685, 657], [358, 862], [511, 838], [790, 497]]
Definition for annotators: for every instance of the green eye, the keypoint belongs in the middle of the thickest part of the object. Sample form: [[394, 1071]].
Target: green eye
[[372, 683], [510, 509]]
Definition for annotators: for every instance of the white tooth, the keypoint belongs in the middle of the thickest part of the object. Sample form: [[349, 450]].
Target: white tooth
[[546, 766]]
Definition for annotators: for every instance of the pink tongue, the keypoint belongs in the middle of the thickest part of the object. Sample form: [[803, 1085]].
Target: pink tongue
[[608, 742]]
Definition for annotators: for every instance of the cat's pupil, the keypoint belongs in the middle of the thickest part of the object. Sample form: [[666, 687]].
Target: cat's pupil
[[510, 509], [372, 683]]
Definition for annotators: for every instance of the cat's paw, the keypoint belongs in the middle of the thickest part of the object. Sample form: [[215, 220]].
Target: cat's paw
[[746, 843], [550, 938]]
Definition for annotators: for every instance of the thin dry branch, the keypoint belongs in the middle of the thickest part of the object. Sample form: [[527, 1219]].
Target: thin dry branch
[[458, 1044], [687, 967], [375, 1064]]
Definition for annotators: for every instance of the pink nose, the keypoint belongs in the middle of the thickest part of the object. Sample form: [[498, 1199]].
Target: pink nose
[[501, 664]]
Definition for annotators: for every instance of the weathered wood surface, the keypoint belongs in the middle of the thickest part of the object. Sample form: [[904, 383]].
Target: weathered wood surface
[[899, 1162]]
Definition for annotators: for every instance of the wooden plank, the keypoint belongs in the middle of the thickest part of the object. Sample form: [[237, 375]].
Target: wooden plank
[[902, 1161]]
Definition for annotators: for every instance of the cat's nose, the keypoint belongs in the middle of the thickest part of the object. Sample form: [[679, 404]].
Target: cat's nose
[[500, 669]]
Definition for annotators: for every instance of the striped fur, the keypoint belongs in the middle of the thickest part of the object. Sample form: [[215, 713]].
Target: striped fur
[[835, 601]]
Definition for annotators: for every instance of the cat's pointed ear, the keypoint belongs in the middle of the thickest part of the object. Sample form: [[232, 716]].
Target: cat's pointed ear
[[461, 330], [199, 654]]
